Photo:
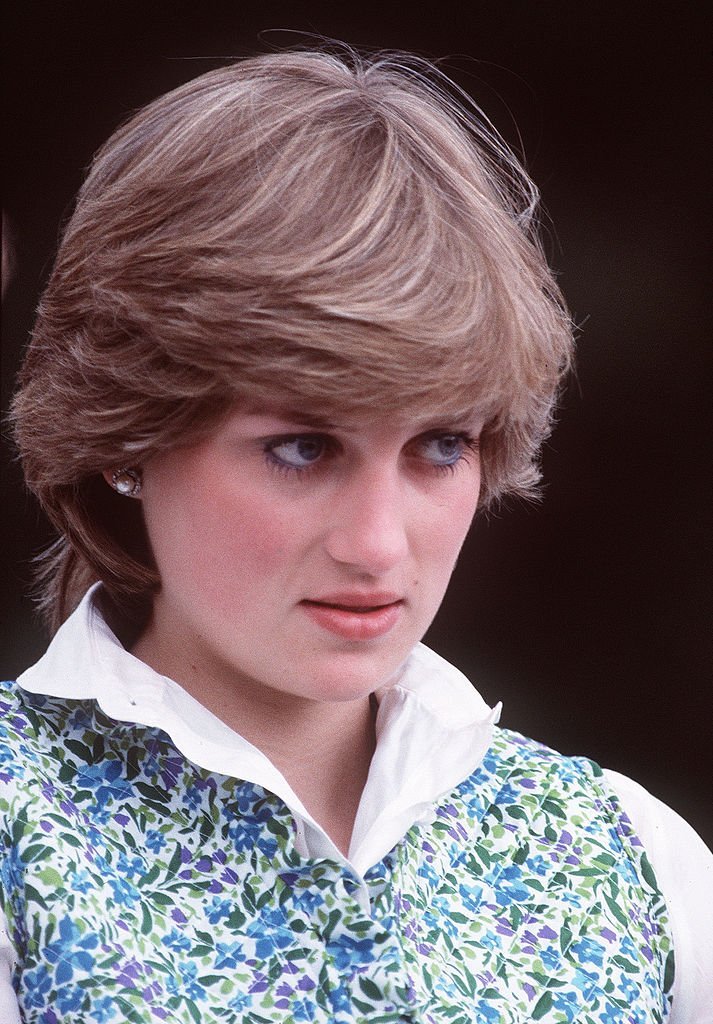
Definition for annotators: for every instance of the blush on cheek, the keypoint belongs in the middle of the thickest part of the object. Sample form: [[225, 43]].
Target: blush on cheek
[[239, 544]]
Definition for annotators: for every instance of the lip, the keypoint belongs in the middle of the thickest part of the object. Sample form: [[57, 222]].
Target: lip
[[355, 616], [357, 598]]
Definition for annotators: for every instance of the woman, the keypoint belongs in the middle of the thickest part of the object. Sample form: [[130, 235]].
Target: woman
[[298, 328]]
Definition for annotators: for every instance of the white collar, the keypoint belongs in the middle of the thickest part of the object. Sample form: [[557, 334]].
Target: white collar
[[433, 730]]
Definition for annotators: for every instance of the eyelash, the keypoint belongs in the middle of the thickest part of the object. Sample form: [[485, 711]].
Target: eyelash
[[283, 467], [470, 447]]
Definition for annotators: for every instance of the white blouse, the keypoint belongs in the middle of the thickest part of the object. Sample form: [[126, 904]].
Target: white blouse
[[433, 730]]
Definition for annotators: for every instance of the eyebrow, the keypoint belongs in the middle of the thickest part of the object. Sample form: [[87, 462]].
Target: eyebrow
[[320, 421], [294, 417], [310, 419]]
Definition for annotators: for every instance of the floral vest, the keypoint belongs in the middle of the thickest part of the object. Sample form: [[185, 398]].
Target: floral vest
[[141, 888]]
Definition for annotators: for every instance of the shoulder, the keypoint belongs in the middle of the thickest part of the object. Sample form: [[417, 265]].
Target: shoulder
[[534, 764], [33, 747], [27, 717], [553, 791], [683, 865], [536, 848], [540, 795]]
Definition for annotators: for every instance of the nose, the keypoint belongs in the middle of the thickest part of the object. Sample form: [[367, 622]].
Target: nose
[[368, 526]]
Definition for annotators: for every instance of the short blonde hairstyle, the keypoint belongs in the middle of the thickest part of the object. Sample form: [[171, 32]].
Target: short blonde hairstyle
[[324, 229]]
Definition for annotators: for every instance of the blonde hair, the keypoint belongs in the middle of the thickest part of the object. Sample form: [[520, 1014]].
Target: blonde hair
[[322, 228]]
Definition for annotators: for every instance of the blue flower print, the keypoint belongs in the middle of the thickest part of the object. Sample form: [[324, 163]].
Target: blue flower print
[[267, 845], [124, 893], [38, 983], [229, 954], [130, 866], [349, 952], [339, 999], [508, 795], [194, 796], [81, 881], [489, 1013], [243, 835], [12, 872], [219, 908], [472, 896], [189, 974], [250, 806], [538, 865], [550, 958], [105, 780], [70, 950], [103, 1009], [69, 999], [176, 940], [490, 940], [627, 988], [567, 1003], [155, 840], [240, 1001], [308, 899], [438, 916], [303, 1009], [271, 933], [628, 948], [512, 889], [588, 952], [80, 719]]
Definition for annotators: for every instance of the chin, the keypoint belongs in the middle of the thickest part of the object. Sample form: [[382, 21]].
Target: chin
[[354, 676]]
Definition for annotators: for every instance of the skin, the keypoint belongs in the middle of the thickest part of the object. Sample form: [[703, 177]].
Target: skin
[[277, 510]]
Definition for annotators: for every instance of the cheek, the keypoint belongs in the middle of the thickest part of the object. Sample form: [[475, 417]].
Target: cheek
[[206, 527], [237, 535], [249, 538], [228, 548], [448, 528]]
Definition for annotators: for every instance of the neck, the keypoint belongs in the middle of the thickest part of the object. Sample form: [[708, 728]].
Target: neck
[[323, 749], [325, 753]]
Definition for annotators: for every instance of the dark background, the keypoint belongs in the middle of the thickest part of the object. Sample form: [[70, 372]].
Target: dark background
[[590, 615]]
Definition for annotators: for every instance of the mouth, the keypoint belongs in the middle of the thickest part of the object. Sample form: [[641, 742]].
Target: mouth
[[356, 618], [358, 609], [357, 602]]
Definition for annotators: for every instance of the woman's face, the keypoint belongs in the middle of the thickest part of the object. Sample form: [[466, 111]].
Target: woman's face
[[303, 556]]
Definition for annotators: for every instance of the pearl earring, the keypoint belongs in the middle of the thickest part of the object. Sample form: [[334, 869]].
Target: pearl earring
[[127, 481]]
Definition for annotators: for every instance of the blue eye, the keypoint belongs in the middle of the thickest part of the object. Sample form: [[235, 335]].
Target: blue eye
[[444, 449], [297, 452]]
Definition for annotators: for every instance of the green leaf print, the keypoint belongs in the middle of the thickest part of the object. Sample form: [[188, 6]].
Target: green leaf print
[[554, 807], [669, 971], [615, 909], [81, 750], [370, 989], [628, 965], [50, 877], [647, 871], [565, 938], [35, 852], [542, 1006]]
